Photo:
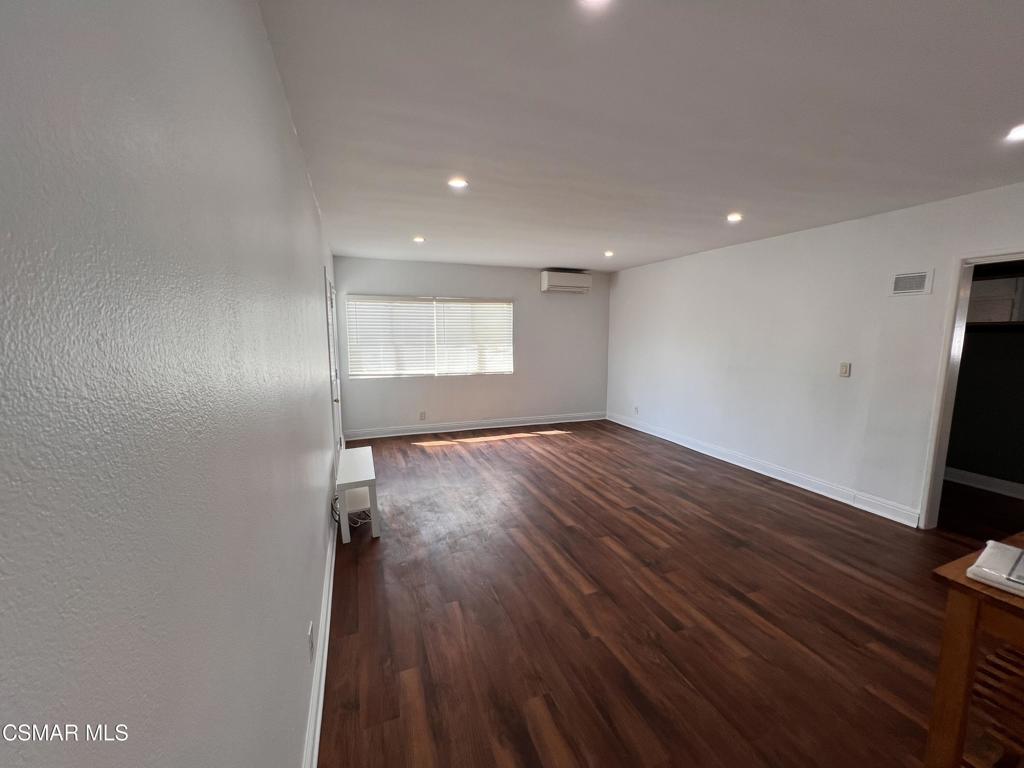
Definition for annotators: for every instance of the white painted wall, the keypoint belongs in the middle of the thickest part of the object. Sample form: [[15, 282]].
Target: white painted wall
[[736, 351], [166, 430], [561, 352]]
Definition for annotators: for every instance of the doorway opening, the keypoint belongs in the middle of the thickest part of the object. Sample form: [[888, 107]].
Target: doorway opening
[[980, 480]]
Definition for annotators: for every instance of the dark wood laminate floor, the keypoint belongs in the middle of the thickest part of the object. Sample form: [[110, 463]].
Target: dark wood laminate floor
[[585, 594]]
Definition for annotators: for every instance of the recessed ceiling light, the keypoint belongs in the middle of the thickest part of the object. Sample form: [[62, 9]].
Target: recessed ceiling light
[[609, 254], [734, 218], [457, 182], [419, 239], [1017, 134], [594, 5]]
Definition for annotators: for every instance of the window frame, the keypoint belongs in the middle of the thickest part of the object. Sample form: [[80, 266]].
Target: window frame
[[433, 300]]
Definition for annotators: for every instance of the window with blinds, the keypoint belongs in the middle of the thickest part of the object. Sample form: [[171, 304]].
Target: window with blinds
[[390, 336]]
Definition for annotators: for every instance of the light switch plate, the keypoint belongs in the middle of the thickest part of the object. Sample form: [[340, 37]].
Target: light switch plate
[[845, 370]]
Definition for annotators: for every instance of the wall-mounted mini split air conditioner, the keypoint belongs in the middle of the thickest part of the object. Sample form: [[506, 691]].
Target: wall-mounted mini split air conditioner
[[553, 281]]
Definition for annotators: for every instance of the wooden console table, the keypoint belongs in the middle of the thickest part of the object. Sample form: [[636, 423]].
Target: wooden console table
[[972, 608]]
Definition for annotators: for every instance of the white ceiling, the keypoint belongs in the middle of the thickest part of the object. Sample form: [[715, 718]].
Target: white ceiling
[[638, 129]]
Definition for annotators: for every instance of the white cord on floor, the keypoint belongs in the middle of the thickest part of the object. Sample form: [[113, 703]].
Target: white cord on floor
[[355, 519]]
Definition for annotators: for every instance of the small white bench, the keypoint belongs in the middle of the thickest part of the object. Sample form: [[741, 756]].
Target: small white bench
[[355, 484]]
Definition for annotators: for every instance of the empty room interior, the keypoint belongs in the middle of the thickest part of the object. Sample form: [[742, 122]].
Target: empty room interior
[[475, 384]]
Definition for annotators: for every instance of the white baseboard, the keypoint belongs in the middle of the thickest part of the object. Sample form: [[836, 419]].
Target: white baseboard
[[985, 483], [462, 426], [879, 506], [311, 750]]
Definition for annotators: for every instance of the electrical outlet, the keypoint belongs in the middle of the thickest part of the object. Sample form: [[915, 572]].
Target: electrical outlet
[[636, 410], [311, 637], [845, 369], [423, 415]]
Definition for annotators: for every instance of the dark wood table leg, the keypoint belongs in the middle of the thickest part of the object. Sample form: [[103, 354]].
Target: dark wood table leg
[[953, 685]]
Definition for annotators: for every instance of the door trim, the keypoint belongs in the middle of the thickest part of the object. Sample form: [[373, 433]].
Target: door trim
[[331, 302]]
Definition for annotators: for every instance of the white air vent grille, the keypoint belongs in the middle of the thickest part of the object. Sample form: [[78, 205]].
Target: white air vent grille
[[905, 283]]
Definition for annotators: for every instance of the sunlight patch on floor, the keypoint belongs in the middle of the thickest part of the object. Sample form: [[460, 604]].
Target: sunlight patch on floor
[[492, 438]]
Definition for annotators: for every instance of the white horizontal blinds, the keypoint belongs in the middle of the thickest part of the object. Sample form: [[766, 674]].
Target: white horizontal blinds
[[390, 336], [393, 336], [473, 336]]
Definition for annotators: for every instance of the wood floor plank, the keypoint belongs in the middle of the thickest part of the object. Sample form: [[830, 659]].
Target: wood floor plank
[[551, 560], [378, 681], [555, 751], [453, 705], [584, 594], [416, 734]]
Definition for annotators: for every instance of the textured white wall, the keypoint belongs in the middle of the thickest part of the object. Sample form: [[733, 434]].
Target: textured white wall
[[736, 351], [561, 350], [165, 440]]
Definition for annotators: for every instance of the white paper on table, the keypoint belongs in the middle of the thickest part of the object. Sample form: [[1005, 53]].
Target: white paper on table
[[995, 564]]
